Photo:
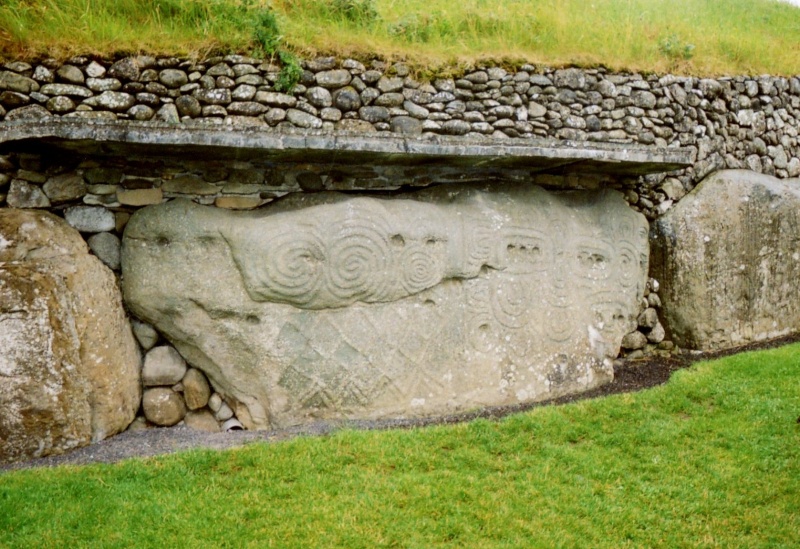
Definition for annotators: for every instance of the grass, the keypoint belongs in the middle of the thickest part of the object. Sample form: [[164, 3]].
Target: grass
[[59, 28], [694, 36], [684, 36], [711, 459]]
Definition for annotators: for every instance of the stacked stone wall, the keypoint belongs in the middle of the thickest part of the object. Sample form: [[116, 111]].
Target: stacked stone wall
[[729, 122]]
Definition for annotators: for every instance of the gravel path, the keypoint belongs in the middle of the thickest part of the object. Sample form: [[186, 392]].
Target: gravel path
[[630, 377]]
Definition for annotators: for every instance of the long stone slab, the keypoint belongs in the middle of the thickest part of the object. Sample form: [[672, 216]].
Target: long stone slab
[[333, 306], [342, 148]]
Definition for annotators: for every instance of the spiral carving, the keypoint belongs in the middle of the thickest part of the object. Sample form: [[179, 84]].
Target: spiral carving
[[511, 301], [295, 266], [359, 265], [421, 268], [559, 326], [628, 265]]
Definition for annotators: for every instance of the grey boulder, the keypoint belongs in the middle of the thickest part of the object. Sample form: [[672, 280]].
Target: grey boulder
[[163, 366], [727, 259]]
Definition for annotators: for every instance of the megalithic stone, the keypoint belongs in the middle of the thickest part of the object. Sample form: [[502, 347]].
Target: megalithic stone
[[728, 261], [333, 306], [70, 370]]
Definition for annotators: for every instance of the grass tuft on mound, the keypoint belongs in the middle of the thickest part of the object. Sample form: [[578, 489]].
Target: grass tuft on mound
[[697, 37], [712, 458]]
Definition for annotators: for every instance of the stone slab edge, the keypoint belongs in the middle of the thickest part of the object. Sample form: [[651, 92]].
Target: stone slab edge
[[648, 159]]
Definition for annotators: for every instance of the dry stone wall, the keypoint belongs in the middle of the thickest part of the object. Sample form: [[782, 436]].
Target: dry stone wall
[[731, 122]]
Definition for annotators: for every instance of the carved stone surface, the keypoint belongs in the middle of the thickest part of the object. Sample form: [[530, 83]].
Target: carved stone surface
[[331, 306], [728, 261]]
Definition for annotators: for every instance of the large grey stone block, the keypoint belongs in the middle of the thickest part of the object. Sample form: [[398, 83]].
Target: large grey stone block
[[332, 306], [728, 261]]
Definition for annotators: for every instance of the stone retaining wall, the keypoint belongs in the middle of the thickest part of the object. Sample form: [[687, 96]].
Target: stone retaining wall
[[732, 122], [737, 122]]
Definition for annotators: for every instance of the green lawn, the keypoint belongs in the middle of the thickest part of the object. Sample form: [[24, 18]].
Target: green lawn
[[712, 459], [685, 36]]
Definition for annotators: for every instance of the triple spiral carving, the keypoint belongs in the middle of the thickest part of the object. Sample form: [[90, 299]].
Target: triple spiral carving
[[354, 260], [295, 268], [359, 262]]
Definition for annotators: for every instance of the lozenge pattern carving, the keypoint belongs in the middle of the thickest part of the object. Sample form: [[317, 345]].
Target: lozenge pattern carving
[[529, 280]]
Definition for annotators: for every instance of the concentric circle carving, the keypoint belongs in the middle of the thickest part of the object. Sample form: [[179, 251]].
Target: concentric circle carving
[[511, 301], [360, 259], [560, 324], [294, 267], [421, 268]]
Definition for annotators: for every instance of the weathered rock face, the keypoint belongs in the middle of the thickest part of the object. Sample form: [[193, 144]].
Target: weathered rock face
[[330, 306], [68, 362], [728, 261]]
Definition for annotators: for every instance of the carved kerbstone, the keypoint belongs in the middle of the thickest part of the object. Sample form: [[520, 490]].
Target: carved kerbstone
[[332, 306], [728, 261]]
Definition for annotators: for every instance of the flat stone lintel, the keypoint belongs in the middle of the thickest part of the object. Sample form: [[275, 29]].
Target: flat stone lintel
[[315, 146]]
